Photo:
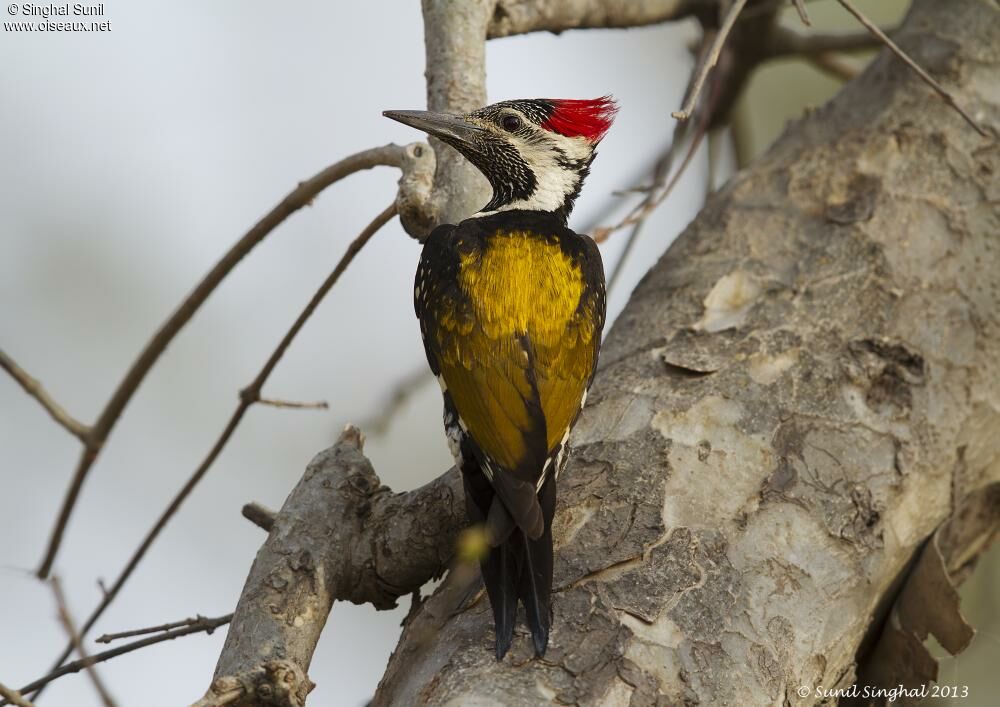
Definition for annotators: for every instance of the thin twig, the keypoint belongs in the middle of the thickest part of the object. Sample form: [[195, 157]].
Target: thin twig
[[800, 7], [109, 637], [398, 396], [248, 396], [67, 621], [713, 56], [12, 696], [206, 626], [659, 191], [783, 42], [834, 65], [874, 29], [294, 405], [33, 388], [640, 218], [260, 516], [302, 195]]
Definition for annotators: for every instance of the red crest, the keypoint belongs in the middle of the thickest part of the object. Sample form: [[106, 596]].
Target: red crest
[[590, 119]]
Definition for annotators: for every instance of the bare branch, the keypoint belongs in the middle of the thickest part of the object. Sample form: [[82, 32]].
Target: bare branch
[[12, 696], [68, 624], [205, 626], [456, 83], [660, 189], [784, 42], [260, 516], [196, 621], [294, 405], [928, 79], [400, 394], [713, 56], [658, 192], [638, 217], [833, 65], [456, 78], [248, 396], [34, 388], [517, 17], [800, 7], [280, 683], [343, 536], [302, 195]]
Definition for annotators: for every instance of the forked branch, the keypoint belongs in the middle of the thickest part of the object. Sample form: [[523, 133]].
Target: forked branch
[[205, 626], [34, 388], [302, 195], [340, 536], [248, 397]]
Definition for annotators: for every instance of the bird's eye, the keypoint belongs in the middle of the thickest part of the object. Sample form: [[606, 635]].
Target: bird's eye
[[511, 123]]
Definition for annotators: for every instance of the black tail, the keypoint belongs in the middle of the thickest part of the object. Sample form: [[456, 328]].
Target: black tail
[[534, 584], [500, 577], [521, 569]]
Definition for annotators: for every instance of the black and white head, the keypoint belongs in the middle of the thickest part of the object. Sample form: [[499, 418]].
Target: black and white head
[[534, 152]]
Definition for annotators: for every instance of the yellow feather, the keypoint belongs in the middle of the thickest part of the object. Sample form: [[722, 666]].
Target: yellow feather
[[520, 285]]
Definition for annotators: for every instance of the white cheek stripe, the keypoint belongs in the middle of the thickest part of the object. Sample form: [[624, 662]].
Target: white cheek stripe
[[553, 183]]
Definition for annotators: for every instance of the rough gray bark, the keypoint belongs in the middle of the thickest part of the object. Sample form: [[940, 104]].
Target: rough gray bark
[[518, 16], [455, 44], [799, 393], [340, 536]]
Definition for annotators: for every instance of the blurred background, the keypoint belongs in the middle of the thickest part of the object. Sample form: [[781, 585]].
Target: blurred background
[[133, 158]]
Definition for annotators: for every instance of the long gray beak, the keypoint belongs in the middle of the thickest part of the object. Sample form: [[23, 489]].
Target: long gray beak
[[450, 128]]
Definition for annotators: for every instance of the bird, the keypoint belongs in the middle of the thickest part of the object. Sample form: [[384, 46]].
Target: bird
[[511, 305]]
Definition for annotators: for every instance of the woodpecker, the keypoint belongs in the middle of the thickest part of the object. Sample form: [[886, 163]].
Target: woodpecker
[[511, 305]]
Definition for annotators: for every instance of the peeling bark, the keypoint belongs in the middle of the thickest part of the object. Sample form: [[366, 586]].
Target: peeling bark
[[340, 536], [799, 393]]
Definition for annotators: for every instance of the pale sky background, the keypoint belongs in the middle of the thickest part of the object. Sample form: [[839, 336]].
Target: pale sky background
[[130, 161]]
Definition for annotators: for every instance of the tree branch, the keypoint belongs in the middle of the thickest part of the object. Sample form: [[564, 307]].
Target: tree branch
[[456, 83], [833, 65], [454, 37], [303, 194], [70, 627], [786, 42], [710, 60], [800, 7], [294, 404], [401, 392], [512, 17], [203, 622], [205, 625], [260, 516], [14, 697], [248, 396], [33, 388], [927, 78], [340, 536]]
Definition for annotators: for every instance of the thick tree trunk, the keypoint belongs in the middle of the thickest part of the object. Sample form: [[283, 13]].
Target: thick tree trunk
[[801, 391]]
